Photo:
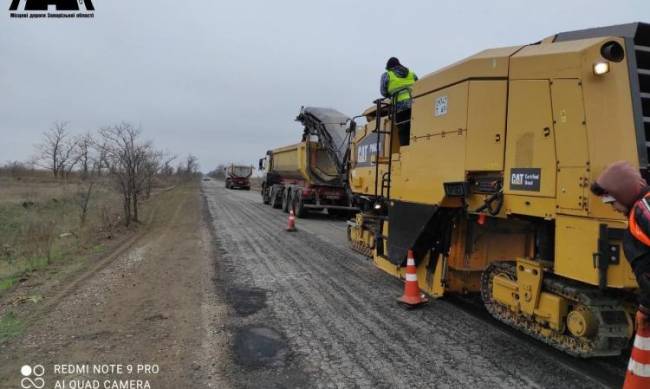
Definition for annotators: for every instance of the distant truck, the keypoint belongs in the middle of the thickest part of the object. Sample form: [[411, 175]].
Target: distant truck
[[308, 176], [238, 176]]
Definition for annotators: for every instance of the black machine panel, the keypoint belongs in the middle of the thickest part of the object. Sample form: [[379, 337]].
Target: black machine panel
[[410, 228]]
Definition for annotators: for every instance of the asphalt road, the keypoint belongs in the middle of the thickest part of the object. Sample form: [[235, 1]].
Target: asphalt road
[[306, 311]]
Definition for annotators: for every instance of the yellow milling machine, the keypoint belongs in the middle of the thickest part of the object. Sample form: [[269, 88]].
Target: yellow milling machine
[[489, 182]]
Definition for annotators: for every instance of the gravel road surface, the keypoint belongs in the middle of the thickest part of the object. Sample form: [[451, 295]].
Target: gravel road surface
[[308, 312]]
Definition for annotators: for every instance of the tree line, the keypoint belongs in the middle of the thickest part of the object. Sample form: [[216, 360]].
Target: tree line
[[118, 153]]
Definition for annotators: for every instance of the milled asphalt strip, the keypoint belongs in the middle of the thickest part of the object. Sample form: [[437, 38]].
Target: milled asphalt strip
[[383, 335], [450, 347], [450, 341], [519, 343], [309, 254], [298, 300], [449, 367]]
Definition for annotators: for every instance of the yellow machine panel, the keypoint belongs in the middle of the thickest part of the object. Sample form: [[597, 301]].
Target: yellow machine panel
[[491, 63], [530, 147], [436, 140], [571, 146], [486, 125], [576, 243]]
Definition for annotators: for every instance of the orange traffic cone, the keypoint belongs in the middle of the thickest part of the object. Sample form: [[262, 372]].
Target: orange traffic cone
[[638, 370], [291, 226], [412, 296]]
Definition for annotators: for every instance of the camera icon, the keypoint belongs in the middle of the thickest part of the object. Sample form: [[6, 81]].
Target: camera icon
[[32, 377]]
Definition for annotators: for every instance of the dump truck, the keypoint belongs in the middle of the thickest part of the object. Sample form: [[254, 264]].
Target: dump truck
[[309, 176], [488, 183], [238, 176]]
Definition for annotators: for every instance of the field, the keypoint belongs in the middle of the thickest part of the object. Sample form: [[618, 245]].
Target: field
[[46, 237], [41, 224]]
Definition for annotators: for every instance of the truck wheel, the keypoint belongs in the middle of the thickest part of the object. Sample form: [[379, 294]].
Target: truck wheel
[[286, 200], [265, 196], [299, 206], [276, 198]]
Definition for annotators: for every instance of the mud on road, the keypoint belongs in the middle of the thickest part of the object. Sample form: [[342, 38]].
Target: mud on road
[[308, 312]]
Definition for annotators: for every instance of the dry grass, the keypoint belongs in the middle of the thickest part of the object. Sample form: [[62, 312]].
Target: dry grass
[[40, 223]]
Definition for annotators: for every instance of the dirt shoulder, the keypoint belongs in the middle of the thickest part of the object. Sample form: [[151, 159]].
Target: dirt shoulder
[[153, 304]]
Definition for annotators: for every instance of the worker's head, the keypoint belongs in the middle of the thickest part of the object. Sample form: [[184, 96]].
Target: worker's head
[[392, 62], [620, 185]]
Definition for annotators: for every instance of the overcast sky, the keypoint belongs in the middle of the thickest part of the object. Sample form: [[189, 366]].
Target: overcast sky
[[224, 80]]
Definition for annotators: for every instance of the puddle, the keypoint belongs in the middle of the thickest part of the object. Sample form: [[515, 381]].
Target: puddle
[[259, 347], [246, 301]]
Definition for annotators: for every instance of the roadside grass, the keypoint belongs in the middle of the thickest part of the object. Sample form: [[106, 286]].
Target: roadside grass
[[41, 231], [40, 225], [8, 282], [10, 326]]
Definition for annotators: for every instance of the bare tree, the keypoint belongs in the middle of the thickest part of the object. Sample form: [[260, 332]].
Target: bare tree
[[152, 166], [91, 167], [15, 169], [127, 159], [189, 167], [219, 173], [59, 151], [50, 150], [167, 170], [83, 199], [69, 157], [85, 148]]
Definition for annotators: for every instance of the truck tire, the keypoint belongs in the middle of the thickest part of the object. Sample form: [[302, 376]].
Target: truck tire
[[276, 198], [286, 200], [265, 195], [299, 206]]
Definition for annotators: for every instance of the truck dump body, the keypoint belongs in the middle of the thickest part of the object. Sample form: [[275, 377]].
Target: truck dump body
[[305, 161], [309, 174], [239, 171], [238, 176], [329, 126]]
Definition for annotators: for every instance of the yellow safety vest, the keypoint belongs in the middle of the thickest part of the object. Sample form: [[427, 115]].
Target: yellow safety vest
[[395, 83]]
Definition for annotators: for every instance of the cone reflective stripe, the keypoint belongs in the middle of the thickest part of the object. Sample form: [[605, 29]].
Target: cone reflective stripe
[[638, 370], [412, 277], [412, 296], [291, 226]]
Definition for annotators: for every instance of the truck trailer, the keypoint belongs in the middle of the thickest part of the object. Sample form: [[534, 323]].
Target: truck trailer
[[238, 176], [309, 176]]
